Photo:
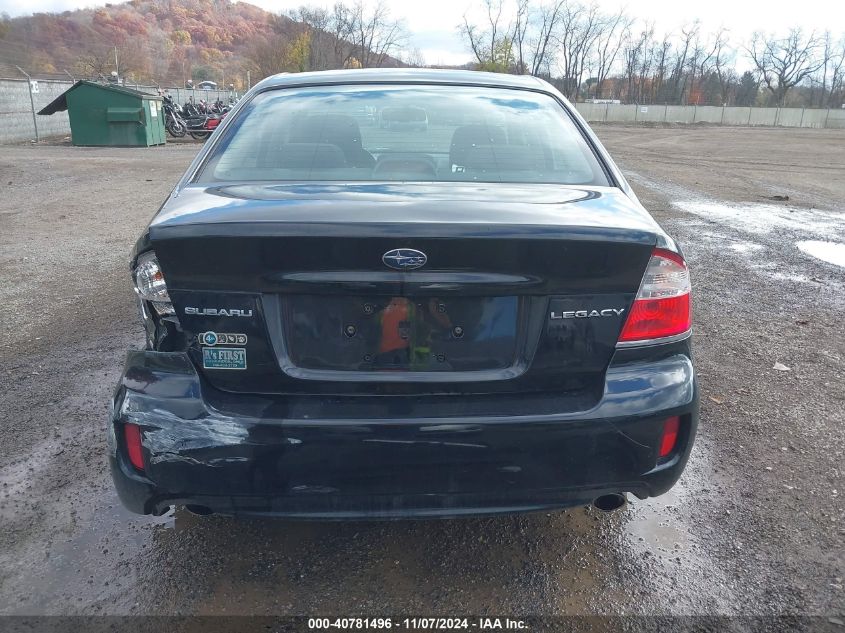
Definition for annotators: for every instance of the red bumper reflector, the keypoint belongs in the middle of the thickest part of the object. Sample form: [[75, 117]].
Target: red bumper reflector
[[670, 435], [132, 433]]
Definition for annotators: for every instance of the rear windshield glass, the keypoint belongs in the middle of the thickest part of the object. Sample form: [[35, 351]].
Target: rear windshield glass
[[406, 133]]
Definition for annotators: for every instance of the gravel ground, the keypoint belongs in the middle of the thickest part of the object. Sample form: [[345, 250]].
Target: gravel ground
[[755, 525]]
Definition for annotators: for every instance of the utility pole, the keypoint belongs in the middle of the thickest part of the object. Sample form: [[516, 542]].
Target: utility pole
[[116, 66]]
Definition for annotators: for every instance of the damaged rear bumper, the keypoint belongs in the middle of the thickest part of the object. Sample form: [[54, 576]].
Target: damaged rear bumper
[[391, 457]]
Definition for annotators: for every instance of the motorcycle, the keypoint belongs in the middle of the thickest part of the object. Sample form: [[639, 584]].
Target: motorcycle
[[189, 110], [196, 123], [219, 107], [198, 128], [173, 122]]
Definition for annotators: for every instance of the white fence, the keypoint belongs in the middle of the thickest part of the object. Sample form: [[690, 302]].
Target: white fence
[[729, 115]]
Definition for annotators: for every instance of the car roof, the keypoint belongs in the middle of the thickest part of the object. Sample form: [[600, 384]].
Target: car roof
[[402, 75]]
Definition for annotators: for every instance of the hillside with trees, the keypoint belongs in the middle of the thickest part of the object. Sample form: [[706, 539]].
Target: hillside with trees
[[168, 42]]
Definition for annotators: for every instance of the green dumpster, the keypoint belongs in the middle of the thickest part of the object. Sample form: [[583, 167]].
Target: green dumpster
[[106, 114]]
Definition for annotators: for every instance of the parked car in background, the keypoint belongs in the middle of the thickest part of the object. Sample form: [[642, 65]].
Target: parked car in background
[[342, 323]]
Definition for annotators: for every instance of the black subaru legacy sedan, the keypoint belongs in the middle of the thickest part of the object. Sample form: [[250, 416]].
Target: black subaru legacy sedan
[[350, 320]]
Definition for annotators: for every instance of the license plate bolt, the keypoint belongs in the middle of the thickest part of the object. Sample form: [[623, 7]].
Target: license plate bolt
[[457, 331], [350, 330]]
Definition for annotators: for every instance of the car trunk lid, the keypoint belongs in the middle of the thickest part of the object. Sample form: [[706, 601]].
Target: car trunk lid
[[524, 287]]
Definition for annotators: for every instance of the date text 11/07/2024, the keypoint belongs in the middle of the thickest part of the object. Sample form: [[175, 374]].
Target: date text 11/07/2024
[[418, 624]]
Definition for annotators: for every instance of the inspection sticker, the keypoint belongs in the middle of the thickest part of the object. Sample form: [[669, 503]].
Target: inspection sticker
[[223, 358]]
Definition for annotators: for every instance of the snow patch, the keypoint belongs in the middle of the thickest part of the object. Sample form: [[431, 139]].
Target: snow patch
[[755, 218], [766, 218], [830, 252], [746, 247]]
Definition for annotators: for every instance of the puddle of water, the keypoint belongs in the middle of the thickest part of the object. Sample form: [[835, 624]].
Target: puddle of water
[[660, 530], [830, 252], [652, 526], [61, 582]]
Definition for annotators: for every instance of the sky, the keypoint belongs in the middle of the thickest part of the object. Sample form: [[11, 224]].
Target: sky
[[432, 24]]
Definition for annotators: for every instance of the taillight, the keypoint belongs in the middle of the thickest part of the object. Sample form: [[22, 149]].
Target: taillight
[[670, 436], [132, 435], [662, 307]]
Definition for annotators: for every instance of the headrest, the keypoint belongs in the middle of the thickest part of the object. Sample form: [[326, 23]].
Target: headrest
[[337, 129], [468, 136], [309, 156]]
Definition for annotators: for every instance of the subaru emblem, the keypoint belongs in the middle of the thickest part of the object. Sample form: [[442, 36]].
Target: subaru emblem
[[404, 259]]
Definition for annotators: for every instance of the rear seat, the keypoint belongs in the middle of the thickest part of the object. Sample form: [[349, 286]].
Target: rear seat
[[483, 149]]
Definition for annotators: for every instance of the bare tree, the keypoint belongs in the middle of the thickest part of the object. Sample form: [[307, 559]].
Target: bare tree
[[592, 52], [318, 21], [679, 76], [375, 34], [487, 43], [97, 63], [269, 55], [832, 57], [783, 63], [633, 51], [520, 32], [533, 35], [837, 86], [723, 65], [342, 27], [131, 57], [590, 29], [578, 30], [608, 44], [700, 63], [415, 58], [546, 22], [661, 54]]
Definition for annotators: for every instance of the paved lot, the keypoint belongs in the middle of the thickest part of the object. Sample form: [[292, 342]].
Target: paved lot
[[755, 525]]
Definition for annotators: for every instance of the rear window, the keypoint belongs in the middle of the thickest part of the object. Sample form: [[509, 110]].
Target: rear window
[[406, 133]]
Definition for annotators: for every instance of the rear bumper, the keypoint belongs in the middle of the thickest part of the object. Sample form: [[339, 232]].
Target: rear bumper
[[385, 460]]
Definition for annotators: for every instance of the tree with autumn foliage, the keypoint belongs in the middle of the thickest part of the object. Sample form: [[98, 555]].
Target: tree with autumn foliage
[[170, 41]]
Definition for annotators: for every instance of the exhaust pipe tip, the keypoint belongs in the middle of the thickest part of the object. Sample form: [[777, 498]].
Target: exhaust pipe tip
[[611, 502]]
